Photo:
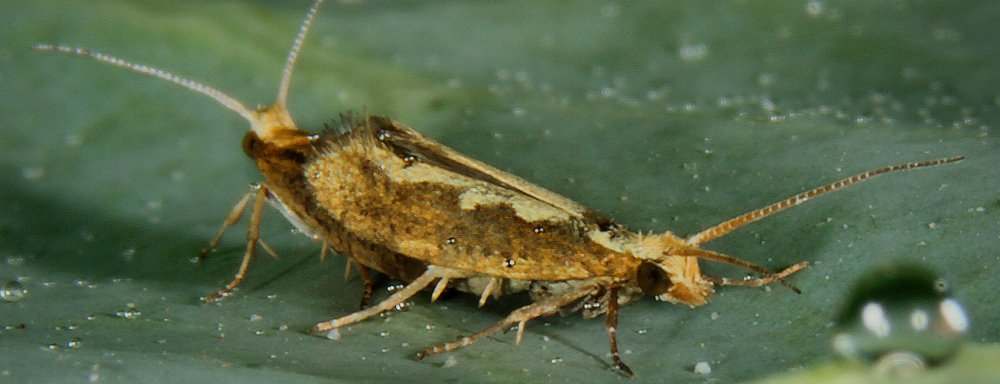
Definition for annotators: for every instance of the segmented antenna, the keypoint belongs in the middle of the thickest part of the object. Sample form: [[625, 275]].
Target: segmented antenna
[[203, 89], [749, 217], [293, 54]]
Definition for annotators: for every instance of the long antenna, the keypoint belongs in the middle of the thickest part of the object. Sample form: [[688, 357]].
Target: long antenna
[[749, 217], [203, 89], [293, 55]]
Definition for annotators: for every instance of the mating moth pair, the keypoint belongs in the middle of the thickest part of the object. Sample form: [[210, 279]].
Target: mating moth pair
[[397, 203]]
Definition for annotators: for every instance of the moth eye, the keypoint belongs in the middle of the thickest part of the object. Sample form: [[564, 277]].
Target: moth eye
[[652, 279]]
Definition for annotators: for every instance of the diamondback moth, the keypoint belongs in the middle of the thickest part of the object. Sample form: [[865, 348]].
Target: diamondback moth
[[395, 202]]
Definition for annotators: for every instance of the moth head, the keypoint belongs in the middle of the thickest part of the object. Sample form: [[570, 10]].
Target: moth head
[[671, 278], [272, 124]]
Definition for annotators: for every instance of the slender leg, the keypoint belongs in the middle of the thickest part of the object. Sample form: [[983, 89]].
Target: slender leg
[[611, 324], [234, 216], [763, 280], [400, 296], [487, 291], [369, 282], [439, 288], [366, 279], [253, 236], [519, 317]]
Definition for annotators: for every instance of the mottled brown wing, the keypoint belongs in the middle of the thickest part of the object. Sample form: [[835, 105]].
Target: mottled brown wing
[[390, 185]]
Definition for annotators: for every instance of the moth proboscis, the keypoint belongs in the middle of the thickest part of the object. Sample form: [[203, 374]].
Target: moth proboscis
[[396, 202]]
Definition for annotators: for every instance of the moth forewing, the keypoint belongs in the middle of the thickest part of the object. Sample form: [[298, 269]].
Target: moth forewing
[[396, 202]]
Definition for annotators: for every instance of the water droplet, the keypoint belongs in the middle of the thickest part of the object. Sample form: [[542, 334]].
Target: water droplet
[[283, 327], [383, 333], [75, 343], [451, 361], [52, 347], [259, 332], [19, 260], [13, 291], [32, 173], [556, 360], [333, 334], [429, 327], [899, 318], [692, 52], [714, 315], [702, 368], [814, 8], [129, 254], [130, 312], [256, 317]]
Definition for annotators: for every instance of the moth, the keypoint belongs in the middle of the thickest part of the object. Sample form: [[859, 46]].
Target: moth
[[398, 203]]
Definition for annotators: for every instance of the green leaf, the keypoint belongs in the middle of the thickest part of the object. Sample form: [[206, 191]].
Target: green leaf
[[665, 116]]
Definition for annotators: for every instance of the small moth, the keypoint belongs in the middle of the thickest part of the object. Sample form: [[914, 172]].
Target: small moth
[[398, 203]]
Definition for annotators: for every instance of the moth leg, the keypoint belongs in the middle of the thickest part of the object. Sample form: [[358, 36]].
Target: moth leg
[[253, 237], [611, 325], [760, 281], [518, 317], [400, 296], [366, 279], [369, 284], [234, 216], [488, 291]]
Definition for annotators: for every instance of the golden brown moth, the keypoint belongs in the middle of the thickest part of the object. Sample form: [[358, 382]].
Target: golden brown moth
[[401, 204]]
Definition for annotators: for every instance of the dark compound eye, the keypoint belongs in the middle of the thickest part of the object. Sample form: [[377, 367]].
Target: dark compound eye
[[652, 279], [900, 319]]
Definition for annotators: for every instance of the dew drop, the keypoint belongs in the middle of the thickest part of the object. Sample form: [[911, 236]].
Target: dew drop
[[14, 260], [333, 334], [130, 312], [692, 52], [13, 291], [899, 318], [75, 343], [556, 360], [814, 8], [702, 368], [32, 173]]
